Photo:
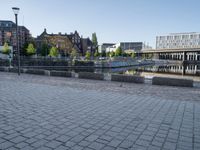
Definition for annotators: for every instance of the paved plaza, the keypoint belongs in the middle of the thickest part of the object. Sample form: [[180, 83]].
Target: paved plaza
[[45, 113]]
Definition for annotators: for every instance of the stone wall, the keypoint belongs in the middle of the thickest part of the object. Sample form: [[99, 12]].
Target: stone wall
[[126, 78], [172, 82], [89, 75]]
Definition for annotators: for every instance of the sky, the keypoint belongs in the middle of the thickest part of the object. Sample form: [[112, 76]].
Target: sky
[[112, 20]]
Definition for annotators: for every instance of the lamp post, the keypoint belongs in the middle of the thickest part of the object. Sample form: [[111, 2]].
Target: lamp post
[[16, 11]]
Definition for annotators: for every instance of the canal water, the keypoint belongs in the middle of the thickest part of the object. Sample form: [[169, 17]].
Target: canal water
[[149, 71]]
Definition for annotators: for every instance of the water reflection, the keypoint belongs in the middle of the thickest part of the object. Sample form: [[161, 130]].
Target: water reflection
[[193, 70]]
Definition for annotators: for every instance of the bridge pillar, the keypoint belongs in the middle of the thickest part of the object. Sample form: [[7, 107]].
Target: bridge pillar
[[196, 56], [184, 56]]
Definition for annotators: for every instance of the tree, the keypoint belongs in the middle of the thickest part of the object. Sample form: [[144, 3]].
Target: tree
[[94, 40], [53, 52], [112, 54], [96, 54], [118, 51], [87, 55], [6, 49], [103, 54], [74, 53], [30, 49], [133, 55], [44, 50]]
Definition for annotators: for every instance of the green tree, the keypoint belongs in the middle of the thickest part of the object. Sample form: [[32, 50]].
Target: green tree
[[133, 55], [6, 49], [74, 53], [94, 41], [118, 51], [96, 54], [103, 54], [112, 54], [30, 49], [44, 50], [53, 52], [87, 55]]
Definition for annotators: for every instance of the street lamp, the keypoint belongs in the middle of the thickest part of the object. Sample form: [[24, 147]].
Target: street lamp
[[16, 11]]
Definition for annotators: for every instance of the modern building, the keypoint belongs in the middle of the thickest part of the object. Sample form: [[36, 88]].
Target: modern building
[[178, 41], [8, 34], [102, 48], [126, 46], [64, 42]]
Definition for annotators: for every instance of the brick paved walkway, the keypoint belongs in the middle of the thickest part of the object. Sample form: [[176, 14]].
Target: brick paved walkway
[[44, 113]]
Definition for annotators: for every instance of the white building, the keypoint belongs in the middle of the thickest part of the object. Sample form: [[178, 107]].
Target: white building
[[131, 46], [102, 47], [178, 40]]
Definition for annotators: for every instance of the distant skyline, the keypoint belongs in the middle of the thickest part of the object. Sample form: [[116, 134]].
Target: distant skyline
[[112, 20]]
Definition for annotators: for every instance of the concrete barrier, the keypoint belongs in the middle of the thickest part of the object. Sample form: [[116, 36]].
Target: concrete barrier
[[127, 78], [90, 75], [36, 71], [172, 82], [2, 69], [60, 73], [15, 70]]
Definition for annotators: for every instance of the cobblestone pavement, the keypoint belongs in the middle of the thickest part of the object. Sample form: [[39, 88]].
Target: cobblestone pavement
[[44, 113]]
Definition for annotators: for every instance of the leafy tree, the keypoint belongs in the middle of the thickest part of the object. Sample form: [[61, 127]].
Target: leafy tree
[[44, 50], [94, 40], [103, 54], [112, 54], [118, 51], [6, 49], [30, 49], [96, 54], [74, 53], [87, 55], [133, 55], [53, 52]]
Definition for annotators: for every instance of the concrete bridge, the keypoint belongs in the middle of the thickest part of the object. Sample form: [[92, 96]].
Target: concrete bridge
[[187, 55]]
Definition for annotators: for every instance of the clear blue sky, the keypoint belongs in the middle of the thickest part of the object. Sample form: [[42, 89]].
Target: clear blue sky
[[112, 20]]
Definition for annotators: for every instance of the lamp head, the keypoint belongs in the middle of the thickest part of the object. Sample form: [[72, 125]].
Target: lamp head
[[15, 10]]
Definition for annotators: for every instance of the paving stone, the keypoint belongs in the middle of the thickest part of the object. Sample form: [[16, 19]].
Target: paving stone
[[18, 139], [92, 138], [126, 144], [96, 146], [114, 143], [6, 145], [53, 144], [63, 138], [62, 113], [39, 143]]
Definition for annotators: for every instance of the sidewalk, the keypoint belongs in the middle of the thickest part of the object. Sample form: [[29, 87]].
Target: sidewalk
[[42, 112]]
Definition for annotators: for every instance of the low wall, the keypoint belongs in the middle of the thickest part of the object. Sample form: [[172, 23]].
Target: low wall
[[172, 82], [126, 78], [2, 69], [89, 75], [36, 71], [60, 73]]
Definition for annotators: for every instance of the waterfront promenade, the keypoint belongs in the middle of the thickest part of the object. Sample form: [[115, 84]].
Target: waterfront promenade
[[45, 113]]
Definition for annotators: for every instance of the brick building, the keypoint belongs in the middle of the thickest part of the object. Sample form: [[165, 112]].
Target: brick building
[[8, 34], [64, 42]]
